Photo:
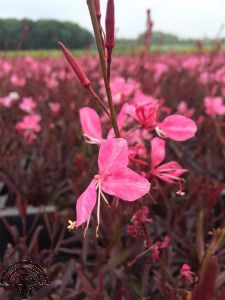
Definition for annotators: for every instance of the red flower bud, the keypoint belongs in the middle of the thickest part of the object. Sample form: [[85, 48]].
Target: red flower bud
[[75, 66], [110, 25]]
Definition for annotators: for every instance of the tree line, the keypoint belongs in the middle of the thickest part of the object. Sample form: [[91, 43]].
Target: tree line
[[42, 34]]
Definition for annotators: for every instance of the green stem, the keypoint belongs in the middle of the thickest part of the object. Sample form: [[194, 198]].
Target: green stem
[[217, 239], [200, 236], [101, 54]]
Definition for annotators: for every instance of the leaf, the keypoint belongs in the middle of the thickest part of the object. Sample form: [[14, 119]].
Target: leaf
[[206, 287]]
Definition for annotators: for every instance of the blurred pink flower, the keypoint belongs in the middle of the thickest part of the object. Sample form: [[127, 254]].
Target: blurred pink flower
[[140, 217], [29, 127], [8, 100], [28, 105], [16, 80], [122, 88], [14, 96], [55, 107], [142, 99], [72, 106], [191, 63], [214, 106], [51, 83], [184, 110], [159, 70], [158, 246], [186, 273], [138, 154]]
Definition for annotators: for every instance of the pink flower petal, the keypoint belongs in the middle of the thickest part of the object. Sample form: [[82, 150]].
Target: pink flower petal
[[158, 152], [126, 184], [113, 154], [178, 128], [131, 110], [169, 172], [85, 204], [172, 167], [91, 124]]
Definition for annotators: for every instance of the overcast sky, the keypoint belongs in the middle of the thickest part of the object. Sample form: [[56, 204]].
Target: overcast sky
[[186, 18]]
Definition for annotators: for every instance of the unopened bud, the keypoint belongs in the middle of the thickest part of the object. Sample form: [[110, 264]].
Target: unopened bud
[[75, 66], [110, 25]]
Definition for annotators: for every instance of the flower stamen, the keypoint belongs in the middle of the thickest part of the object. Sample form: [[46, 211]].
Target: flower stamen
[[72, 225], [98, 206]]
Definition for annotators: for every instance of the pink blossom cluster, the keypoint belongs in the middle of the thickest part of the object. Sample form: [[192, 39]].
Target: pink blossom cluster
[[114, 176]]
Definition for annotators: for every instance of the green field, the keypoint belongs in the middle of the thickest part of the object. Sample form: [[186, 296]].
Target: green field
[[117, 51]]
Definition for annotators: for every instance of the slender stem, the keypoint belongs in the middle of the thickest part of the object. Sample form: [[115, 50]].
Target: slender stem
[[97, 99], [101, 54], [109, 60], [167, 273], [200, 236]]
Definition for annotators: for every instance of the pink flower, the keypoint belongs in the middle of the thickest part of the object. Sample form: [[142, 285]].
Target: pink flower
[[27, 104], [8, 100], [14, 96], [19, 81], [184, 110], [154, 248], [51, 83], [159, 70], [169, 172], [122, 88], [138, 149], [137, 154], [55, 107], [114, 178], [175, 127], [138, 136], [140, 217], [29, 127], [191, 63], [142, 99], [186, 273], [147, 114], [214, 106], [158, 246]]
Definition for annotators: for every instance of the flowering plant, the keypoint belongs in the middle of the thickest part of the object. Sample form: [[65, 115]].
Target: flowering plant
[[142, 164]]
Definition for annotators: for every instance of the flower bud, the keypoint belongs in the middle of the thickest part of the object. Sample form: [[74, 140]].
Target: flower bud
[[110, 25], [75, 66]]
